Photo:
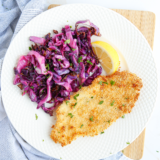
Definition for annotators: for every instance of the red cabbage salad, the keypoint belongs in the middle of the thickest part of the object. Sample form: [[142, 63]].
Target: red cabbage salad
[[58, 65]]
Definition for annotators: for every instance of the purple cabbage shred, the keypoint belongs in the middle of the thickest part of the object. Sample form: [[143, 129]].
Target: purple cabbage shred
[[58, 65]]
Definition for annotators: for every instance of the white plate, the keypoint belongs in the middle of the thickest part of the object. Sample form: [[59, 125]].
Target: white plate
[[138, 55]]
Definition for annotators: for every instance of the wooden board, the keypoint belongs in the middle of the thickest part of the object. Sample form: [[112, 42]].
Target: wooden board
[[145, 22]]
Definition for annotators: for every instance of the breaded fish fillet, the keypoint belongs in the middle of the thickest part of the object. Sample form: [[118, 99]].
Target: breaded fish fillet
[[93, 109]]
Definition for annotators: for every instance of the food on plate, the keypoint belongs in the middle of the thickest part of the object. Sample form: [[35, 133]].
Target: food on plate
[[94, 108], [107, 55], [68, 62], [58, 65]]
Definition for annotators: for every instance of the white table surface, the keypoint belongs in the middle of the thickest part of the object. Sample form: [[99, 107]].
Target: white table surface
[[152, 139]]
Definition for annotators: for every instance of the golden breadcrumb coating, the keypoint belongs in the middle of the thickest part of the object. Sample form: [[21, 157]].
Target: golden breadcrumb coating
[[93, 109]]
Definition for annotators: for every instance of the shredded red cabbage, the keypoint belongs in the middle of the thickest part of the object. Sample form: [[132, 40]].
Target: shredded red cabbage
[[58, 65]]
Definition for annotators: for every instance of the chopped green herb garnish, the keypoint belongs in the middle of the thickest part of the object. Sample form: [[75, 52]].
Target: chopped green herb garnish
[[100, 102], [70, 26], [47, 76], [47, 66], [112, 82], [43, 140], [71, 115], [32, 87], [157, 151], [91, 119], [30, 48], [123, 116], [60, 158], [102, 132], [73, 49], [89, 62], [35, 67], [112, 103], [80, 86], [67, 102], [67, 41], [59, 132], [36, 116], [87, 101], [92, 97], [123, 104], [80, 59], [81, 126], [122, 151], [75, 105], [75, 97], [100, 82], [59, 59], [109, 121], [70, 64], [126, 98], [127, 142]]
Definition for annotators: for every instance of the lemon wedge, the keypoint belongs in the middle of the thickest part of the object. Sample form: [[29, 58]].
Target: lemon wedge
[[107, 55]]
